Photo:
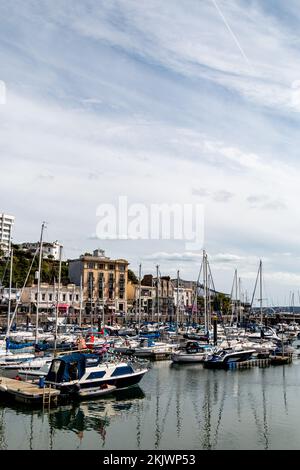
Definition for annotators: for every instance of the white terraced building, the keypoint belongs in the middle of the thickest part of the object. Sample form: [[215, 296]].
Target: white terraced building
[[6, 223], [50, 250]]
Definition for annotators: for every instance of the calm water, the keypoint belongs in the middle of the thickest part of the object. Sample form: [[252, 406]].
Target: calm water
[[176, 407]]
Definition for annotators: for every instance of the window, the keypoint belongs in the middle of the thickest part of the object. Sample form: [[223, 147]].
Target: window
[[101, 266], [77, 297], [50, 297], [70, 297], [55, 366], [73, 370], [123, 370], [90, 285], [64, 297], [111, 267], [35, 296], [101, 285], [43, 296], [96, 375], [122, 267], [121, 307], [91, 265]]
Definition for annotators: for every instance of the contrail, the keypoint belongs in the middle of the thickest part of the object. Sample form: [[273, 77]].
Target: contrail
[[232, 34]]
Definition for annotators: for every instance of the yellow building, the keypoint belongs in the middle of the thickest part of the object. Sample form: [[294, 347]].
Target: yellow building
[[104, 281]]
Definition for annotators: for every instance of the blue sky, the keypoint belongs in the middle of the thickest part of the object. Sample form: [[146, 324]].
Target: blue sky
[[174, 101]]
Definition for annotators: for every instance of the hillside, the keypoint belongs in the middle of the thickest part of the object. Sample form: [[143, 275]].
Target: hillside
[[21, 264]]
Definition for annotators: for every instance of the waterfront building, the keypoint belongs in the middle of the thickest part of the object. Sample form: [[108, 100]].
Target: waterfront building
[[163, 302], [68, 302], [6, 224], [104, 282], [186, 294], [50, 250], [147, 299], [4, 295]]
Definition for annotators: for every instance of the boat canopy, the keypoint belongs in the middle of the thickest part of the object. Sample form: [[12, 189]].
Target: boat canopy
[[71, 367]]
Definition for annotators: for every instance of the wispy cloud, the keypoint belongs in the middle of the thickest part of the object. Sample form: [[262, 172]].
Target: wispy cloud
[[264, 202], [109, 98]]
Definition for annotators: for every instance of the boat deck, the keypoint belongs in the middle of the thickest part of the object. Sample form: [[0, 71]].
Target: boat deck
[[27, 392]]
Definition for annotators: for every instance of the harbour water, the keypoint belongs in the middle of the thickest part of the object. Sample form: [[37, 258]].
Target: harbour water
[[175, 407]]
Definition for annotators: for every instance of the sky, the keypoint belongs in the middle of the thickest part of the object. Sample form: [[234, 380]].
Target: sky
[[174, 102]]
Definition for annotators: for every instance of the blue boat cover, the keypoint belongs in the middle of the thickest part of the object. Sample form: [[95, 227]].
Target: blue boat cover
[[70, 367], [12, 345]]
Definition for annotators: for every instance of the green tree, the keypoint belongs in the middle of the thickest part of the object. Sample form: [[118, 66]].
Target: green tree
[[132, 277], [21, 264]]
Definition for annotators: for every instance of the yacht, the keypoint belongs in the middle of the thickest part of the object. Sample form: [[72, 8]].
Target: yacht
[[10, 364], [193, 352], [73, 373], [33, 373], [223, 358], [154, 350]]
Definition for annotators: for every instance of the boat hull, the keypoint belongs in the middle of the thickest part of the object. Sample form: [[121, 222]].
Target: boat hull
[[188, 358], [226, 361], [117, 382]]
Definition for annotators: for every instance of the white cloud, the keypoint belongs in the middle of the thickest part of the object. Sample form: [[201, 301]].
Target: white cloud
[[111, 98]]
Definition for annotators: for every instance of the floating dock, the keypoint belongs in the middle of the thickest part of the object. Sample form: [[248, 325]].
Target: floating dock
[[27, 392], [272, 360]]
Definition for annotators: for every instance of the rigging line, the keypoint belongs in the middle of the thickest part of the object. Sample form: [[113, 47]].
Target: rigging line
[[252, 300], [220, 314], [21, 294], [212, 279], [196, 290], [4, 272], [232, 34]]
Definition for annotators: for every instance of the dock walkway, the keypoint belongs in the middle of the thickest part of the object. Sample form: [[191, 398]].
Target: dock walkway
[[27, 392]]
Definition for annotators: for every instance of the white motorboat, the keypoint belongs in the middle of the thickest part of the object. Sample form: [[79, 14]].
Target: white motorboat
[[34, 375], [10, 364], [193, 352], [77, 372]]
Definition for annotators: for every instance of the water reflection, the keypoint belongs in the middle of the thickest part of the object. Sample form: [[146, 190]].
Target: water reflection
[[177, 407], [94, 415]]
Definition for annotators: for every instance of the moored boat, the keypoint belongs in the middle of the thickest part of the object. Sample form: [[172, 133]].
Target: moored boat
[[193, 352], [80, 371], [225, 357]]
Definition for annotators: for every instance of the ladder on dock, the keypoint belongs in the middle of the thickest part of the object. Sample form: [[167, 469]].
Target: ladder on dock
[[47, 396]]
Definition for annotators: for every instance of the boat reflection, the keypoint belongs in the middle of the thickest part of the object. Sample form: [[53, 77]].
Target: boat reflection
[[183, 408], [93, 414]]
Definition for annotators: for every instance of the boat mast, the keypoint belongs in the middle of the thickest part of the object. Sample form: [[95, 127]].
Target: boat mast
[[81, 300], [157, 292], [57, 300], [240, 306], [140, 280], [204, 289], [177, 303], [236, 296], [39, 284], [10, 284], [261, 293], [209, 300], [152, 300]]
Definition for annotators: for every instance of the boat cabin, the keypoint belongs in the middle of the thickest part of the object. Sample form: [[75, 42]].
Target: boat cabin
[[71, 367]]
